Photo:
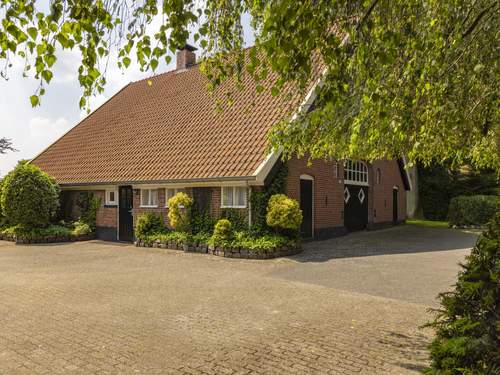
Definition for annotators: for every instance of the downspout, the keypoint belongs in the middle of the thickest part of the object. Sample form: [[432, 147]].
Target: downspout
[[249, 189]]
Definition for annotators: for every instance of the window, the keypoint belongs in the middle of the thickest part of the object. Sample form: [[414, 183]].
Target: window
[[335, 170], [170, 192], [234, 196], [149, 197], [355, 172], [111, 198]]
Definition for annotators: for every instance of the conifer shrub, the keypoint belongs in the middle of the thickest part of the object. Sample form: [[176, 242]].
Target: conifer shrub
[[284, 214], [223, 231], [467, 324], [179, 209]]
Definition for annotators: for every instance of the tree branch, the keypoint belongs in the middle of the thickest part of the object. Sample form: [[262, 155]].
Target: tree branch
[[478, 18], [367, 14]]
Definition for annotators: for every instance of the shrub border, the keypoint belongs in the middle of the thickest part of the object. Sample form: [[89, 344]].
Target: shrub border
[[240, 253], [48, 239]]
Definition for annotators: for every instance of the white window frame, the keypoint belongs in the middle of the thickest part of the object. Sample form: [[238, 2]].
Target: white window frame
[[176, 190], [108, 201], [150, 205], [355, 172], [222, 205]]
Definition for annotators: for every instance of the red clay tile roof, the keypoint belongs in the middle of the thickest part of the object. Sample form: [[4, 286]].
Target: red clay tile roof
[[167, 131]]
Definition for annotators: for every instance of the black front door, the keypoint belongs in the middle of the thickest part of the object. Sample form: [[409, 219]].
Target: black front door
[[126, 218], [395, 206], [355, 207], [306, 205]]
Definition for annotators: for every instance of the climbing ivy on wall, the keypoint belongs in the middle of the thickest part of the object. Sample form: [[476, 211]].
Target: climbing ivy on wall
[[259, 199]]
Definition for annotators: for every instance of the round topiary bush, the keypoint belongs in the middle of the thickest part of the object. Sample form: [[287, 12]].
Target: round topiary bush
[[223, 230], [283, 213], [30, 196], [179, 209]]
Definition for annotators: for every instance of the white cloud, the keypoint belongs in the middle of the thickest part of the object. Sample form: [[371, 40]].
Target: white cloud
[[45, 128]]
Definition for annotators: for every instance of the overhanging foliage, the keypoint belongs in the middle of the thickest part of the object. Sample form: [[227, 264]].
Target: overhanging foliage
[[402, 77]]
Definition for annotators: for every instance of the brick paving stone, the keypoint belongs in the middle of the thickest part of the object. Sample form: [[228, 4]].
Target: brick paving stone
[[108, 308]]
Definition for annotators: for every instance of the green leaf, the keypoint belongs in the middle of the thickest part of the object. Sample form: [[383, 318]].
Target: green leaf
[[35, 100], [32, 32], [126, 62], [154, 64], [47, 75]]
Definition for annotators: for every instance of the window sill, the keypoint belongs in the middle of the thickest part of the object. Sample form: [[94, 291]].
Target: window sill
[[233, 206], [357, 183], [148, 206]]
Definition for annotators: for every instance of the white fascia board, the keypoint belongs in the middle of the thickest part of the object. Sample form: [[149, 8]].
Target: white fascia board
[[89, 187], [265, 167]]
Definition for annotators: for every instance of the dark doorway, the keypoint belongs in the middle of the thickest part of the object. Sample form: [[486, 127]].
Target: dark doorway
[[395, 205], [306, 205], [202, 197], [355, 207], [126, 219]]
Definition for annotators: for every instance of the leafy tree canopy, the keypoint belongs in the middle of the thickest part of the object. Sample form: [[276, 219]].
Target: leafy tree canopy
[[402, 77]]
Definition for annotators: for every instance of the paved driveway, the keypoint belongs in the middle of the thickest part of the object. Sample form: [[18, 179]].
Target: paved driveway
[[350, 305]]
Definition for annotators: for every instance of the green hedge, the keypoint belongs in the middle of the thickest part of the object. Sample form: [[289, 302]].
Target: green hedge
[[472, 210]]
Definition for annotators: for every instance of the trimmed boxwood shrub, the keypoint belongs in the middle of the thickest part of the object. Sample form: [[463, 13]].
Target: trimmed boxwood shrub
[[467, 340], [284, 214], [472, 210], [147, 224], [30, 197], [223, 230]]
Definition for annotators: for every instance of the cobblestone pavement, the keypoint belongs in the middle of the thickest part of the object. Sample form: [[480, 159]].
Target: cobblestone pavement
[[104, 308]]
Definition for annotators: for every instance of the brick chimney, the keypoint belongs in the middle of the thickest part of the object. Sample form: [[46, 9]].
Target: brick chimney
[[186, 57]]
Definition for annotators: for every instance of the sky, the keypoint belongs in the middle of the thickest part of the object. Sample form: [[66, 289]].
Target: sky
[[31, 130]]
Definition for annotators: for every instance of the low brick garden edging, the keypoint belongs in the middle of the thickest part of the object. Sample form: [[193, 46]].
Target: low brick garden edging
[[224, 252], [50, 239]]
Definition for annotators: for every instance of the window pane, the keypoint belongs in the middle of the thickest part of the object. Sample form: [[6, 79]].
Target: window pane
[[227, 196], [111, 196], [240, 196], [145, 197], [169, 194], [153, 197]]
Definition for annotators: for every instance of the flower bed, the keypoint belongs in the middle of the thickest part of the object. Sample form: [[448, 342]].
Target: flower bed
[[265, 247], [51, 234], [46, 239]]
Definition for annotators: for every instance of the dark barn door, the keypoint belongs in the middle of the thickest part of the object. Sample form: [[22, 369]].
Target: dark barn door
[[355, 207], [306, 205], [395, 206], [126, 218]]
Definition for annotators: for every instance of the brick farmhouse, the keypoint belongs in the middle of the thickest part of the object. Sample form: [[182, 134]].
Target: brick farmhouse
[[159, 136]]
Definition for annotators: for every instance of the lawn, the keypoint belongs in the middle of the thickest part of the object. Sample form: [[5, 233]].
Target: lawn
[[428, 223]]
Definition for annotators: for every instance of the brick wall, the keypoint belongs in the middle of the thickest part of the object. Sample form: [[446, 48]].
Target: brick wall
[[215, 204], [106, 215], [328, 191], [380, 207]]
